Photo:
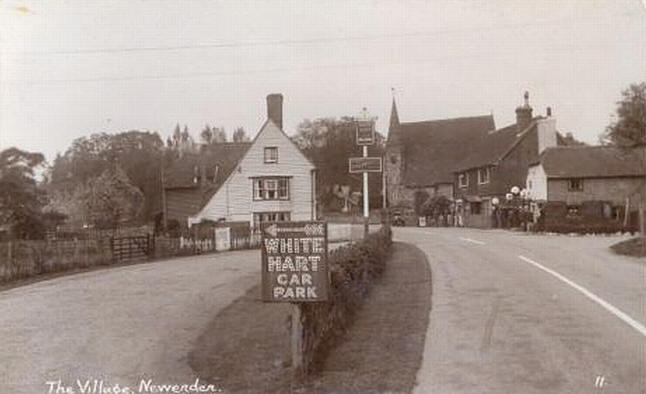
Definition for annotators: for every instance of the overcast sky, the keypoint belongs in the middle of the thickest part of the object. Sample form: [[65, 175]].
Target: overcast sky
[[71, 68]]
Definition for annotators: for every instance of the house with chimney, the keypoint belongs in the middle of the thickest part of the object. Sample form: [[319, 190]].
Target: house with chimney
[[421, 156], [268, 179], [602, 181], [497, 161], [192, 178]]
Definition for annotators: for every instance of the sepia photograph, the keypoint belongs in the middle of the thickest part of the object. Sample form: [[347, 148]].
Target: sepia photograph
[[322, 196]]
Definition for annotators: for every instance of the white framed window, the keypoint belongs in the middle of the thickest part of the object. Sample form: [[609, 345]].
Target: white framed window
[[483, 175], [575, 185], [463, 180], [271, 189], [263, 217], [271, 154]]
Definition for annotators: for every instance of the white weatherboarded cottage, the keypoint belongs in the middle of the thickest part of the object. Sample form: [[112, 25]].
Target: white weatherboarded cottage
[[273, 181]]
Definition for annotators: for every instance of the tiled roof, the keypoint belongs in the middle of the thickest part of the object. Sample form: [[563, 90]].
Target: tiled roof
[[432, 148], [593, 162], [491, 147], [223, 156]]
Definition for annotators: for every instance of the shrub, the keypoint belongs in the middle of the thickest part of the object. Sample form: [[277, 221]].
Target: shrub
[[353, 268]]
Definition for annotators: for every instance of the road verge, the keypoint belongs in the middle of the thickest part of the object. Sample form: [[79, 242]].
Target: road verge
[[245, 348]]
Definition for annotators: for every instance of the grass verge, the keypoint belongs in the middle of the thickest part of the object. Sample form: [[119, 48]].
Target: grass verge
[[635, 247], [246, 347]]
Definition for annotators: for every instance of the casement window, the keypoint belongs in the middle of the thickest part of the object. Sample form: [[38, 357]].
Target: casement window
[[483, 175], [271, 189], [463, 180], [271, 154], [264, 217], [575, 185]]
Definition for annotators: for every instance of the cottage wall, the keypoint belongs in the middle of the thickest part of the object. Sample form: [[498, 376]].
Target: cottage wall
[[614, 190], [234, 201]]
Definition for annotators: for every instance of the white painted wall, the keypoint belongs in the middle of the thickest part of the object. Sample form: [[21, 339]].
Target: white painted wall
[[234, 201], [536, 183]]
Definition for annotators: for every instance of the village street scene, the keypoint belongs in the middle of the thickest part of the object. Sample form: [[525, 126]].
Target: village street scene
[[323, 197]]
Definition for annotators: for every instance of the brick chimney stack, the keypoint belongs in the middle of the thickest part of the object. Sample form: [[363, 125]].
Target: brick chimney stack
[[275, 109], [524, 114]]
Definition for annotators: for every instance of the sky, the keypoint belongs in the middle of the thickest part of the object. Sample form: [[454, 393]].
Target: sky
[[72, 68]]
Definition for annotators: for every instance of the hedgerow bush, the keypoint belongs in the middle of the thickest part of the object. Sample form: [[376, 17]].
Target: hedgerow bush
[[353, 269]]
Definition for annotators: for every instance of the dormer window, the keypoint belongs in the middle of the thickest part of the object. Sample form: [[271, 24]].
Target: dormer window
[[463, 180], [271, 154], [483, 175]]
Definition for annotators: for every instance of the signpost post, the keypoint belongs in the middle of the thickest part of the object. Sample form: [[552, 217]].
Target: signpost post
[[294, 269], [365, 136]]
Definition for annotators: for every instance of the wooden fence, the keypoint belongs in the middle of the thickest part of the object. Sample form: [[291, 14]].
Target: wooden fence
[[136, 247]]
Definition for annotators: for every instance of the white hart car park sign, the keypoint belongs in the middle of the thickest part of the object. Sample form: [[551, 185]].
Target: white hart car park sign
[[294, 262]]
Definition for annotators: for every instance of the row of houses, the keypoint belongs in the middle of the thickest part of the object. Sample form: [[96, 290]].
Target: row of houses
[[476, 165], [466, 160]]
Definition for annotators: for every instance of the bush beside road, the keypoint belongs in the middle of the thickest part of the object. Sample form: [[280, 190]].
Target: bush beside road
[[246, 347], [635, 247]]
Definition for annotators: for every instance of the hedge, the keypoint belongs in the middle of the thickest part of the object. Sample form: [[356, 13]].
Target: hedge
[[353, 269]]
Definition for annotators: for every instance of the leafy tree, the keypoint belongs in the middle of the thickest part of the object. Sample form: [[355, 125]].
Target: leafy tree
[[21, 199], [138, 154], [240, 135], [111, 198], [329, 143], [219, 135], [207, 134], [629, 129]]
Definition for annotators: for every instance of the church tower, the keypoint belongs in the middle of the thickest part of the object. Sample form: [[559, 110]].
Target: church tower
[[394, 160]]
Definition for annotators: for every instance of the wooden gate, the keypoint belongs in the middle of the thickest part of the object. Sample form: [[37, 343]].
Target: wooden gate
[[132, 248]]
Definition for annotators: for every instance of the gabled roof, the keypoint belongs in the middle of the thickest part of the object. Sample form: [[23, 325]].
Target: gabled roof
[[432, 148], [223, 156], [493, 146], [593, 162]]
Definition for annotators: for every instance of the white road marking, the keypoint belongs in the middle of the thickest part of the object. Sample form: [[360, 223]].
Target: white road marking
[[472, 241], [609, 307]]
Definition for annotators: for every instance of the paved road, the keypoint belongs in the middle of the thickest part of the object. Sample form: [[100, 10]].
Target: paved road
[[518, 313], [120, 325]]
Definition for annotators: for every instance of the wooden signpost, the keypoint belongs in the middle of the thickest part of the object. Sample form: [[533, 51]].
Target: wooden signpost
[[364, 164], [365, 135], [295, 269]]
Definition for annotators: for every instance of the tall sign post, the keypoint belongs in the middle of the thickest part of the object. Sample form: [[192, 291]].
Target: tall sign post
[[295, 269], [365, 135]]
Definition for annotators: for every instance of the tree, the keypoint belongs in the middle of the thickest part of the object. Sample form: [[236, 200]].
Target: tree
[[219, 135], [629, 129], [240, 135], [137, 153], [207, 134], [111, 198], [21, 200], [329, 143]]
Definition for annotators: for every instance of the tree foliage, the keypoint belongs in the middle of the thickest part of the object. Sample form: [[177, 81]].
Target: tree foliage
[[240, 135], [21, 199], [111, 199], [629, 129], [138, 154], [329, 143]]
